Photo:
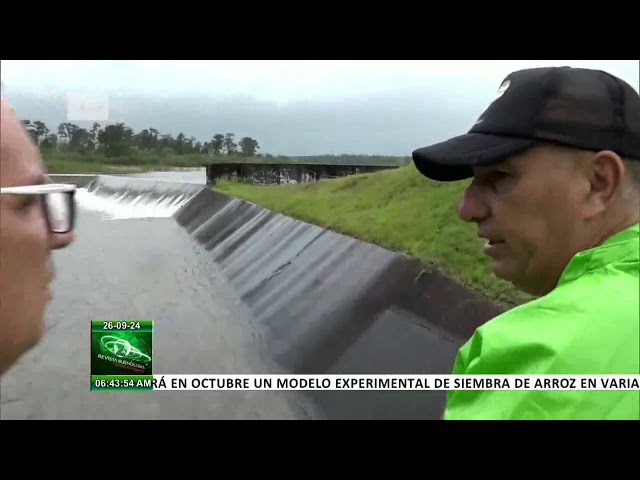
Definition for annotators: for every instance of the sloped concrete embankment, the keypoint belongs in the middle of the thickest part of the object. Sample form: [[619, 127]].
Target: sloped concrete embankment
[[328, 303]]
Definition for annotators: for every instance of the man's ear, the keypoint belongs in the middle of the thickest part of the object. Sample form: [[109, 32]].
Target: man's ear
[[605, 173]]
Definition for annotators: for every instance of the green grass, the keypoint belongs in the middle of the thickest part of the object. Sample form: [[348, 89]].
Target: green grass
[[57, 162], [397, 209], [70, 166], [72, 162]]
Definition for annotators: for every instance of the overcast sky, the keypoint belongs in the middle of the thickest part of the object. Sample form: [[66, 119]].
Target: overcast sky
[[290, 107]]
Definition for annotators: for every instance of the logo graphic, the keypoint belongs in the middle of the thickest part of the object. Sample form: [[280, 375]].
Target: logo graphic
[[121, 347], [87, 107], [503, 88]]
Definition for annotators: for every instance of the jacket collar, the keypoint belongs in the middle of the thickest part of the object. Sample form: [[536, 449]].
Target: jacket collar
[[622, 246]]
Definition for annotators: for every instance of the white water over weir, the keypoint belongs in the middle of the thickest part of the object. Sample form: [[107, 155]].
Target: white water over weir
[[127, 198]]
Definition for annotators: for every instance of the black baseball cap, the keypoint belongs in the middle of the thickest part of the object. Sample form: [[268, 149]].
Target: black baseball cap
[[577, 107]]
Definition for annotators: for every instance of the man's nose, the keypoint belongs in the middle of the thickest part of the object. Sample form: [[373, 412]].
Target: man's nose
[[61, 240], [473, 206]]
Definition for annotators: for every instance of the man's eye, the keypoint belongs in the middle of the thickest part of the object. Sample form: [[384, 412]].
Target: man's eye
[[497, 174], [29, 201]]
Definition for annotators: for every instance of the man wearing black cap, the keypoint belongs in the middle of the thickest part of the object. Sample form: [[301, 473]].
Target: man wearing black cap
[[554, 164]]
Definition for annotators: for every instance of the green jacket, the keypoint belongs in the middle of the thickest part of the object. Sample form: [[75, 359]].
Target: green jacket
[[589, 324]]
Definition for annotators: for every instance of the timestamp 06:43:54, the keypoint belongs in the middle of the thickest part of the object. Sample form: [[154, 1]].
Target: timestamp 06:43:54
[[121, 382]]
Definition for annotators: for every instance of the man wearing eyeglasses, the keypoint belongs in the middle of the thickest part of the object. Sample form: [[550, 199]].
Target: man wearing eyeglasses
[[36, 217]]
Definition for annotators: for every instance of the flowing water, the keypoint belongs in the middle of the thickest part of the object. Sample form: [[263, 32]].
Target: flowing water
[[131, 260]]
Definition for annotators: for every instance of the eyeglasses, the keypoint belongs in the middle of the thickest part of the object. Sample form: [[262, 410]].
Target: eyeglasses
[[58, 201]]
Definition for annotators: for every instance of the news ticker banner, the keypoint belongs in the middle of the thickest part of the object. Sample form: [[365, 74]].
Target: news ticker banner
[[280, 382], [122, 359], [122, 354]]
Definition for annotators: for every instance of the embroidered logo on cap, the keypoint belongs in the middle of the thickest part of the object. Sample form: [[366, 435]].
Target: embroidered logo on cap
[[503, 88]]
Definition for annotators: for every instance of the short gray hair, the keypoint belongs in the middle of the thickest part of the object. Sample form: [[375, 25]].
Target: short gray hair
[[631, 187]]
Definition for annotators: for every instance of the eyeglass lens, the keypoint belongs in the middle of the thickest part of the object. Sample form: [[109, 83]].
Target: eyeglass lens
[[59, 211]]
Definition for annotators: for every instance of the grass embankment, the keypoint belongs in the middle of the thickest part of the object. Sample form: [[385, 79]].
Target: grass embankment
[[397, 209]]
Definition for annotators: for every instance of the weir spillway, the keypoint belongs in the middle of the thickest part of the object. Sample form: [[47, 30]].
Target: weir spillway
[[236, 288]]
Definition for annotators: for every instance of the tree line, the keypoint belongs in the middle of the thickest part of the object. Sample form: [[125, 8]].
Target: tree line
[[119, 144], [119, 140]]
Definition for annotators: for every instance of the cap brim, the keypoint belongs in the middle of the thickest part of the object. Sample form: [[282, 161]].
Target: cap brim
[[455, 158]]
